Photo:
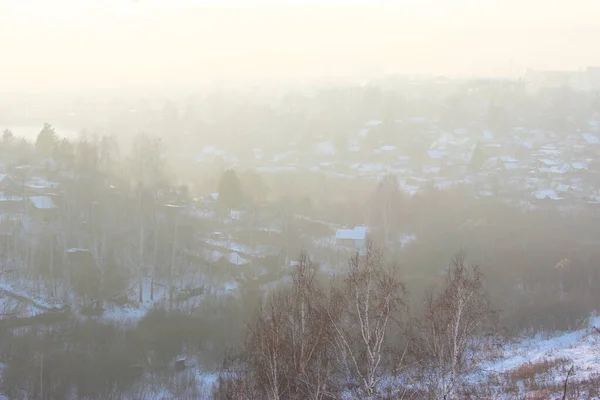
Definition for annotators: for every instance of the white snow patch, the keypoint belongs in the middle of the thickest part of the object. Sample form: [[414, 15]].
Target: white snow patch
[[325, 148], [582, 347], [235, 259], [327, 242], [405, 239], [353, 145], [36, 302], [257, 251]]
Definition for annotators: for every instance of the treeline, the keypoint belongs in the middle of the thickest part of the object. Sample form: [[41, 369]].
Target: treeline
[[77, 358], [110, 210], [543, 262], [359, 338]]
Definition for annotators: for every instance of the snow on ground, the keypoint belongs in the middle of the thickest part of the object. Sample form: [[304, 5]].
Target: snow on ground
[[234, 258], [230, 286], [212, 256], [580, 348], [28, 305], [325, 148], [12, 306], [135, 312], [205, 378], [124, 314], [405, 239], [256, 251], [202, 214], [36, 302], [237, 214], [325, 241]]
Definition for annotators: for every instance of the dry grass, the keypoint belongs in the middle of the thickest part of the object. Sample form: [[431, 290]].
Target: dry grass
[[530, 370], [539, 380]]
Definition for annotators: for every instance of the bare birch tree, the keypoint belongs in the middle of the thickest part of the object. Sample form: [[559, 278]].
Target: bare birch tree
[[288, 352], [310, 336], [362, 310], [456, 332]]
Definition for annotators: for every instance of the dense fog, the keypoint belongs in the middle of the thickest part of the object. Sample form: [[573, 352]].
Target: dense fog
[[214, 201]]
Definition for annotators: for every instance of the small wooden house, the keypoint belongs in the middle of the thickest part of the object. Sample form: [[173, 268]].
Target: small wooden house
[[42, 207], [353, 238]]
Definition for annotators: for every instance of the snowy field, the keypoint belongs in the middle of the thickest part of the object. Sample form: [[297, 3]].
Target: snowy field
[[534, 366]]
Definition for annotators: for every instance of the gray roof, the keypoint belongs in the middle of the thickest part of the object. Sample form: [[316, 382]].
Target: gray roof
[[42, 202], [358, 233]]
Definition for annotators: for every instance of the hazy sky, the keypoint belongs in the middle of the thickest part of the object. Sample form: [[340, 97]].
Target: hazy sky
[[94, 43]]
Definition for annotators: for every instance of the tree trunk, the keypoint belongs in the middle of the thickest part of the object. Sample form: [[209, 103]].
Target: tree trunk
[[171, 269], [140, 264], [155, 264]]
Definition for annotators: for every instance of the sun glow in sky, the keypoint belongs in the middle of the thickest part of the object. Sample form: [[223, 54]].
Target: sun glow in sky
[[52, 43]]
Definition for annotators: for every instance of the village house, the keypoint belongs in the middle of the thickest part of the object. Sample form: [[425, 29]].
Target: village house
[[41, 207], [353, 238]]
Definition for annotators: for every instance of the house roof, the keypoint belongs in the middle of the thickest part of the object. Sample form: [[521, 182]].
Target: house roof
[[590, 138], [358, 233], [564, 168], [76, 250], [509, 159], [41, 183], [42, 202], [6, 179], [10, 198], [546, 194], [436, 154]]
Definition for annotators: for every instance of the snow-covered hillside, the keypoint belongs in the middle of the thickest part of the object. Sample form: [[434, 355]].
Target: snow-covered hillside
[[532, 368], [537, 367]]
